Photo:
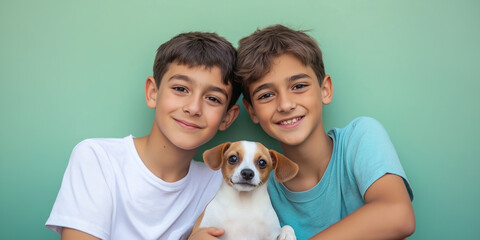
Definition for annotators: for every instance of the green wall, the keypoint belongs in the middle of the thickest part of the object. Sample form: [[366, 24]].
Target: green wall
[[71, 70]]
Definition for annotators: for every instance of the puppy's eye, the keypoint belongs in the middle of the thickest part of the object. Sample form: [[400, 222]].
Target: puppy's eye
[[262, 163], [232, 159]]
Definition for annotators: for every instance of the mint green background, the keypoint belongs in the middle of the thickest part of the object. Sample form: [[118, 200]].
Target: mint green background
[[71, 70]]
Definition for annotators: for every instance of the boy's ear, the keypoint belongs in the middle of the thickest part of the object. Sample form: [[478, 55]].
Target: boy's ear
[[327, 90], [250, 111], [151, 91], [229, 117]]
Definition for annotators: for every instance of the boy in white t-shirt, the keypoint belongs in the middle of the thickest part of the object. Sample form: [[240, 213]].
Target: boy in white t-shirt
[[149, 187]]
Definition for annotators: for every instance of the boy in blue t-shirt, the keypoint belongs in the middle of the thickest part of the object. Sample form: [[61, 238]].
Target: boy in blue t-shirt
[[350, 184]]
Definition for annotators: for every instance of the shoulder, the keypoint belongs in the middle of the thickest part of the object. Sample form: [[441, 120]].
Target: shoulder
[[363, 145], [201, 171], [364, 124], [102, 144], [359, 129], [95, 144], [85, 199], [367, 152], [101, 147], [362, 135], [87, 150], [200, 167], [204, 180], [97, 155]]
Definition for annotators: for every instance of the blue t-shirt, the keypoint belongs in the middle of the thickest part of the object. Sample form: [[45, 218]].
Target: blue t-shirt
[[362, 153]]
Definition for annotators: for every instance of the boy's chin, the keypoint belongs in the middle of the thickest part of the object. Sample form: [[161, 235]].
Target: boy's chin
[[187, 146], [290, 143], [291, 140]]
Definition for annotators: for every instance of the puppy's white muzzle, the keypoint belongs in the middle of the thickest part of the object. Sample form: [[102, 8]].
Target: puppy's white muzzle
[[245, 179]]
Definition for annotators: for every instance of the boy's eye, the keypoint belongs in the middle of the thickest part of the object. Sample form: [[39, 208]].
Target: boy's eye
[[299, 86], [180, 89], [265, 96], [214, 99]]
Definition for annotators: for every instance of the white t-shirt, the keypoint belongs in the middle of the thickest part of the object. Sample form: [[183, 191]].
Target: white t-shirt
[[109, 193]]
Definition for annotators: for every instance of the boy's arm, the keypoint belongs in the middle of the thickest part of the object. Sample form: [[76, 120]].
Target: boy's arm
[[387, 214], [74, 234], [84, 201]]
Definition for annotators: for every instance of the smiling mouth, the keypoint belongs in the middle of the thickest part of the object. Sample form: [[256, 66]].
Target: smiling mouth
[[290, 121], [187, 125]]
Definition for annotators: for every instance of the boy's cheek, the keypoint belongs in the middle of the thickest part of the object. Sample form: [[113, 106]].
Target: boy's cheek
[[216, 116]]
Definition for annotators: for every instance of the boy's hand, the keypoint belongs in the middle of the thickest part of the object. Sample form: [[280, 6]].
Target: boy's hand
[[207, 233]]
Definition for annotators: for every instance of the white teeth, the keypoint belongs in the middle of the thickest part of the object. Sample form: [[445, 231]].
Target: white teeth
[[289, 121]]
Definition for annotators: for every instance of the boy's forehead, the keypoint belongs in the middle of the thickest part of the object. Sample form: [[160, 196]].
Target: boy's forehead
[[209, 75], [194, 66], [179, 68], [285, 67]]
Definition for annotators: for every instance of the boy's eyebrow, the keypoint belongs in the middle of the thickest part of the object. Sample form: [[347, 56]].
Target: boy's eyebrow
[[217, 89], [180, 77], [298, 76], [209, 88], [261, 87], [290, 79]]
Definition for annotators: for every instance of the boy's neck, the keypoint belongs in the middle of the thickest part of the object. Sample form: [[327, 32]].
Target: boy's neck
[[312, 157], [162, 158]]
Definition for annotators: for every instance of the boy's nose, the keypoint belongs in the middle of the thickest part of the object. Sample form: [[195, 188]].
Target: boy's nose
[[285, 104], [193, 107]]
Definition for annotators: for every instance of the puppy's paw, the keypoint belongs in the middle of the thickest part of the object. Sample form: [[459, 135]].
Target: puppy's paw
[[287, 233]]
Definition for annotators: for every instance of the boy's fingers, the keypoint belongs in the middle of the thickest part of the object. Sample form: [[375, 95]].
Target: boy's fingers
[[207, 233], [216, 232]]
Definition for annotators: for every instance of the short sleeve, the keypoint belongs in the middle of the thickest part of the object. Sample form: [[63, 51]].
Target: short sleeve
[[372, 154], [84, 201]]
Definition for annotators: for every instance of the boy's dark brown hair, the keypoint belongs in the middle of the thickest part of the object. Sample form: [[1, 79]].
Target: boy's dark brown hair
[[257, 51], [199, 49]]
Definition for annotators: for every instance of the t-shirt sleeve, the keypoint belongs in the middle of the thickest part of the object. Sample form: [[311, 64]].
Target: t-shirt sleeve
[[372, 154], [84, 201]]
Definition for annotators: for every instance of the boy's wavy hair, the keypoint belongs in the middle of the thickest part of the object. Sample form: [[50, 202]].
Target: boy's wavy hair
[[199, 49], [257, 51]]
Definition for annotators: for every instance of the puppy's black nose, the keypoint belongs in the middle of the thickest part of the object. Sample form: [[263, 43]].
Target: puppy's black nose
[[247, 174]]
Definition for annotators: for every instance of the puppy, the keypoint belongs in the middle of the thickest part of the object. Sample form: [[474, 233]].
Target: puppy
[[242, 205]]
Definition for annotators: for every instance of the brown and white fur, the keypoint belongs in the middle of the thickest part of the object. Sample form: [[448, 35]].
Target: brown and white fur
[[242, 205]]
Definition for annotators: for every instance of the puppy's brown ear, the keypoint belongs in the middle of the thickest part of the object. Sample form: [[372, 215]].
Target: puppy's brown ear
[[213, 157], [285, 169]]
